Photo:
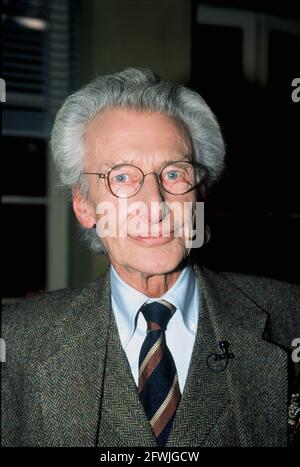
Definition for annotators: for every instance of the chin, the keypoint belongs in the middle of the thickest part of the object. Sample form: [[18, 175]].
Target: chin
[[154, 260], [159, 263]]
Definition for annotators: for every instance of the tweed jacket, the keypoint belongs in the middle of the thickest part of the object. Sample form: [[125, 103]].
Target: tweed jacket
[[66, 380]]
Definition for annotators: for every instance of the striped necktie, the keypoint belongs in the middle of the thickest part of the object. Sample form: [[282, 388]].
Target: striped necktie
[[158, 381]]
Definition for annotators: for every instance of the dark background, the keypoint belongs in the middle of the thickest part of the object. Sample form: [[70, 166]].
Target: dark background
[[253, 213]]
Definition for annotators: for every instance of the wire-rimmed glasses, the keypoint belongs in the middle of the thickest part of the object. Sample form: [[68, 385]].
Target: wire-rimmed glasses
[[174, 177]]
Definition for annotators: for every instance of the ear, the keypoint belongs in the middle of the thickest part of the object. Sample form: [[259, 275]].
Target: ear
[[83, 209]]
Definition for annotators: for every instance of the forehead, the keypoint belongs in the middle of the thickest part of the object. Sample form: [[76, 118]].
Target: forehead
[[119, 133]]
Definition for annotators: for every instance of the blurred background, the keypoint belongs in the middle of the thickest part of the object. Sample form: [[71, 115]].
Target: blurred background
[[242, 57]]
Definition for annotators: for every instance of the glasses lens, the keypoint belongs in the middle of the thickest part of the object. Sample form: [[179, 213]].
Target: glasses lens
[[178, 177], [125, 180]]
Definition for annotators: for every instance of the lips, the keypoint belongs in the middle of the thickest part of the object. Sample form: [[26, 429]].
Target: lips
[[156, 234], [151, 233], [160, 235], [153, 240]]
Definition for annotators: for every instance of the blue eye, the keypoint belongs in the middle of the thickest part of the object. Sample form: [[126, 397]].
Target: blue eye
[[121, 178], [172, 175]]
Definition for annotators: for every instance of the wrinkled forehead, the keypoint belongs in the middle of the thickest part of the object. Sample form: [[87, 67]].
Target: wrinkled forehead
[[120, 133]]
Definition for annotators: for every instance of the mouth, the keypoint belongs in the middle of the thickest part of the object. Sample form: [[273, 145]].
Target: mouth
[[153, 239]]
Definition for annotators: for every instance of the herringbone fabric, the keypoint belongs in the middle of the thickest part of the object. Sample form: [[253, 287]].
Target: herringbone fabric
[[67, 382], [158, 381]]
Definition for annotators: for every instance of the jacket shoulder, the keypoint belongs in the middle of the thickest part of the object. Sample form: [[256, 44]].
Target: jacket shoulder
[[280, 300], [51, 317], [264, 288], [45, 306]]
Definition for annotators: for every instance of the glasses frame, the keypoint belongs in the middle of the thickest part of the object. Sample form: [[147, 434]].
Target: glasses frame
[[105, 177]]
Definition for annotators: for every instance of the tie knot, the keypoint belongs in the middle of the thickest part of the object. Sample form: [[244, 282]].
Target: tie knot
[[157, 315]]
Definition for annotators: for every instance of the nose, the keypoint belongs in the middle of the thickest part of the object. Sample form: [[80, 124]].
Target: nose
[[151, 187], [151, 194]]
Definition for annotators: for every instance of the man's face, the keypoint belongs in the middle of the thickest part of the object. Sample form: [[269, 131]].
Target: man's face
[[148, 141]]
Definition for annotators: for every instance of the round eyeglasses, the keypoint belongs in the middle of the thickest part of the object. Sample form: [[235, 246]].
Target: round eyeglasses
[[175, 177]]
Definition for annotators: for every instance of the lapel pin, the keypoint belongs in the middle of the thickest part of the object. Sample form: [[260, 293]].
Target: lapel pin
[[218, 362]]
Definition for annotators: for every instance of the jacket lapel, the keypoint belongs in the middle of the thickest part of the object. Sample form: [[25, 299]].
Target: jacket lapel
[[123, 421], [205, 395], [245, 405], [88, 396]]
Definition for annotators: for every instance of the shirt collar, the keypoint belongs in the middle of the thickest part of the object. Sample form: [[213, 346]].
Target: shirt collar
[[181, 294], [127, 301]]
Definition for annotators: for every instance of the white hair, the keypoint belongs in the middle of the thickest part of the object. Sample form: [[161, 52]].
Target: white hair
[[141, 90]]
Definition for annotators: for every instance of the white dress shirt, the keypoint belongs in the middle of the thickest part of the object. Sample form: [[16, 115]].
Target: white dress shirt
[[181, 329]]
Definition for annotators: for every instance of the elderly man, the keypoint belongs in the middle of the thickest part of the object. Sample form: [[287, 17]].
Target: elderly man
[[157, 351]]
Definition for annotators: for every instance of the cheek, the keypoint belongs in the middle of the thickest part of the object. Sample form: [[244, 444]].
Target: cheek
[[93, 190], [107, 218], [97, 191], [116, 249], [182, 214]]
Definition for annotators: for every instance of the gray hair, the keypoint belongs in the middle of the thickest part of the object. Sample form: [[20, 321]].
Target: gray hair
[[141, 90]]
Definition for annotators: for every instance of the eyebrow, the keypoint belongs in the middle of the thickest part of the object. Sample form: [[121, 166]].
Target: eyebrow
[[111, 163]]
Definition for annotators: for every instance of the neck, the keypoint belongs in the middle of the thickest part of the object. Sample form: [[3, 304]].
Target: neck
[[154, 285]]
